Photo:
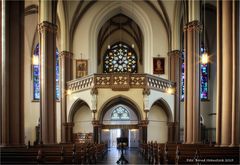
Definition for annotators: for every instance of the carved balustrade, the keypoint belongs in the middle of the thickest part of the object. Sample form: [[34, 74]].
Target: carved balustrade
[[120, 82]]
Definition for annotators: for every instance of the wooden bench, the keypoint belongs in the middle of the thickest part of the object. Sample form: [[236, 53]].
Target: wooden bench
[[54, 154]]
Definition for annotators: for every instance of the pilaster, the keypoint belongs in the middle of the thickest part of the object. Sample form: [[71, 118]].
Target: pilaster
[[175, 57], [65, 75]]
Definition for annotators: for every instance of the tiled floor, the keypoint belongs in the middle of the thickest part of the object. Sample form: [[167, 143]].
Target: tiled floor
[[132, 155]]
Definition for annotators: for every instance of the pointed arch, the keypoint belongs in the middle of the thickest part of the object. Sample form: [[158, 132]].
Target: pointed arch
[[166, 108], [140, 17], [74, 108], [120, 99]]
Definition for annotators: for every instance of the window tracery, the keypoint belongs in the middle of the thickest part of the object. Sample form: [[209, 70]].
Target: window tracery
[[120, 58]]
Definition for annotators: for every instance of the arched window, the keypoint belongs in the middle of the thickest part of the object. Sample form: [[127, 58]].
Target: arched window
[[36, 74], [120, 113], [203, 77], [182, 77], [120, 58]]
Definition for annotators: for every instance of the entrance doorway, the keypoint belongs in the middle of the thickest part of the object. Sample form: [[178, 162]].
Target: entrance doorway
[[110, 136], [120, 118], [114, 134]]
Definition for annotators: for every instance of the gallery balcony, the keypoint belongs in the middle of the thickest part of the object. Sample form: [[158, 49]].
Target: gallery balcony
[[121, 82], [97, 90]]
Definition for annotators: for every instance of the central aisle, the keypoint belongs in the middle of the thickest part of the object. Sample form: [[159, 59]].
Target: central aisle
[[131, 154]]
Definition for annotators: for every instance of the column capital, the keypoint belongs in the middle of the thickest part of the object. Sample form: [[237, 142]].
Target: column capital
[[66, 54], [96, 123], [175, 53], [193, 25], [47, 26], [143, 123]]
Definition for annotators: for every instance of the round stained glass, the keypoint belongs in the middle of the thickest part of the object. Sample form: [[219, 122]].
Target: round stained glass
[[120, 58]]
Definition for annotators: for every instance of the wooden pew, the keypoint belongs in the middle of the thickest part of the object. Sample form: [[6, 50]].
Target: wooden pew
[[54, 154], [189, 154]]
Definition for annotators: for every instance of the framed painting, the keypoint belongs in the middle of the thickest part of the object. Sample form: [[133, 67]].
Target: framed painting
[[158, 65], [81, 68]]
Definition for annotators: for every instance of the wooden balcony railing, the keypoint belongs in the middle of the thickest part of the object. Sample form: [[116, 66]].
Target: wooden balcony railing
[[120, 82]]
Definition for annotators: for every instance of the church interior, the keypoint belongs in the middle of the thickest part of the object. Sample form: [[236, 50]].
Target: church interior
[[125, 81]]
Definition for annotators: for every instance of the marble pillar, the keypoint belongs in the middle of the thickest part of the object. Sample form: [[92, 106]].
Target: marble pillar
[[12, 73], [192, 82], [227, 124], [47, 32]]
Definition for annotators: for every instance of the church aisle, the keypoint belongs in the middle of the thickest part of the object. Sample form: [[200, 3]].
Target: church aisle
[[131, 154]]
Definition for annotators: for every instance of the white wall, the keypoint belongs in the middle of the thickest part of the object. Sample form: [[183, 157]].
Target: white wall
[[83, 120], [157, 127], [157, 95], [31, 108]]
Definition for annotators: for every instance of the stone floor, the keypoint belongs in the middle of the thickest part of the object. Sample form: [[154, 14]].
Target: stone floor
[[131, 154]]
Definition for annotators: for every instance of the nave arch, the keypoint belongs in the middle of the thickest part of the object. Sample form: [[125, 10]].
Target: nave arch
[[159, 117]]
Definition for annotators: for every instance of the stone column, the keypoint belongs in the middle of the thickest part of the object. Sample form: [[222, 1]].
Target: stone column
[[170, 132], [175, 58], [2, 11], [219, 74], [143, 129], [96, 130], [192, 82], [65, 76], [47, 32], [227, 117], [68, 130], [12, 73]]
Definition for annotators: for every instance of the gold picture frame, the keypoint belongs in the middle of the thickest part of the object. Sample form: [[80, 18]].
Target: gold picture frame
[[81, 68], [158, 65]]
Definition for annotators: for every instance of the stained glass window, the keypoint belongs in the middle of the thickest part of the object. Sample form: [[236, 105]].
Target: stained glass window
[[120, 58], [120, 113], [203, 77], [36, 74], [182, 76], [57, 76]]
